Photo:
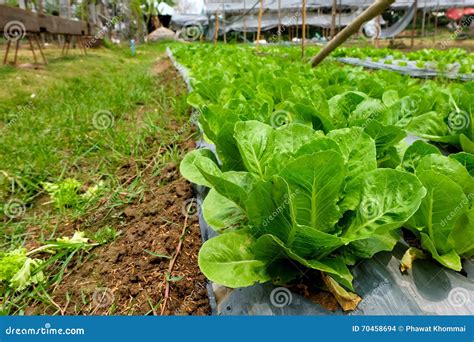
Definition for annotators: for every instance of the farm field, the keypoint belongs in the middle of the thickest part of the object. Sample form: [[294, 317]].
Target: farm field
[[315, 171]]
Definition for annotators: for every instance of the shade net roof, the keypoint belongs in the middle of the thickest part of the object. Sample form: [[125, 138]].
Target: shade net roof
[[242, 15], [249, 23], [230, 6]]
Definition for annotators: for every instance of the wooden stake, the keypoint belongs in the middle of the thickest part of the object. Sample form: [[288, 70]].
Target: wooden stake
[[81, 43], [333, 19], [41, 49], [216, 29], [223, 24], [68, 45], [260, 14], [339, 12], [5, 59], [303, 10], [32, 49], [16, 51], [64, 46], [297, 27], [436, 23], [413, 34], [245, 22], [279, 20], [377, 37], [423, 26], [376, 9]]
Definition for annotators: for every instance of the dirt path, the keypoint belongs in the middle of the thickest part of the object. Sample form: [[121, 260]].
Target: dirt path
[[129, 275]]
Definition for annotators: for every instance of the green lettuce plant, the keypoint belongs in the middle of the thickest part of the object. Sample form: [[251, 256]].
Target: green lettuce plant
[[227, 90], [311, 170], [444, 222], [315, 200]]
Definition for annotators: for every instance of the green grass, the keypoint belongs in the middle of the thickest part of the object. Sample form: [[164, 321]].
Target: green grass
[[89, 113], [78, 120]]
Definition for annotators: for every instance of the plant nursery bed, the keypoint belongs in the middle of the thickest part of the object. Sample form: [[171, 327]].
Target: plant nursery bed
[[426, 288], [406, 68]]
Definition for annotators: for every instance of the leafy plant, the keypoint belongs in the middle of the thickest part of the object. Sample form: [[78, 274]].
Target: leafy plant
[[312, 168], [105, 235], [317, 200], [326, 98], [440, 59], [444, 222], [64, 193], [18, 270], [420, 64]]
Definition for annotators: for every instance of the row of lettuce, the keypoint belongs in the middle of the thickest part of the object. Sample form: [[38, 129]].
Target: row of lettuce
[[443, 60], [313, 169]]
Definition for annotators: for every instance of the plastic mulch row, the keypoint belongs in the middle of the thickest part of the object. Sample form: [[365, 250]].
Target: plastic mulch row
[[410, 69], [428, 289]]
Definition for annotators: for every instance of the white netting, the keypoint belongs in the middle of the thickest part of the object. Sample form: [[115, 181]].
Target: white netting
[[291, 18], [230, 6], [242, 15]]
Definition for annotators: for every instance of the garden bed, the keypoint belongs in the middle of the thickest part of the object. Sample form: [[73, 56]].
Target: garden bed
[[427, 289], [407, 68]]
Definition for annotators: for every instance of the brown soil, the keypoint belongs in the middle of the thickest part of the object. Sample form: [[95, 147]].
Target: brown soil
[[161, 65], [129, 275], [312, 288]]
